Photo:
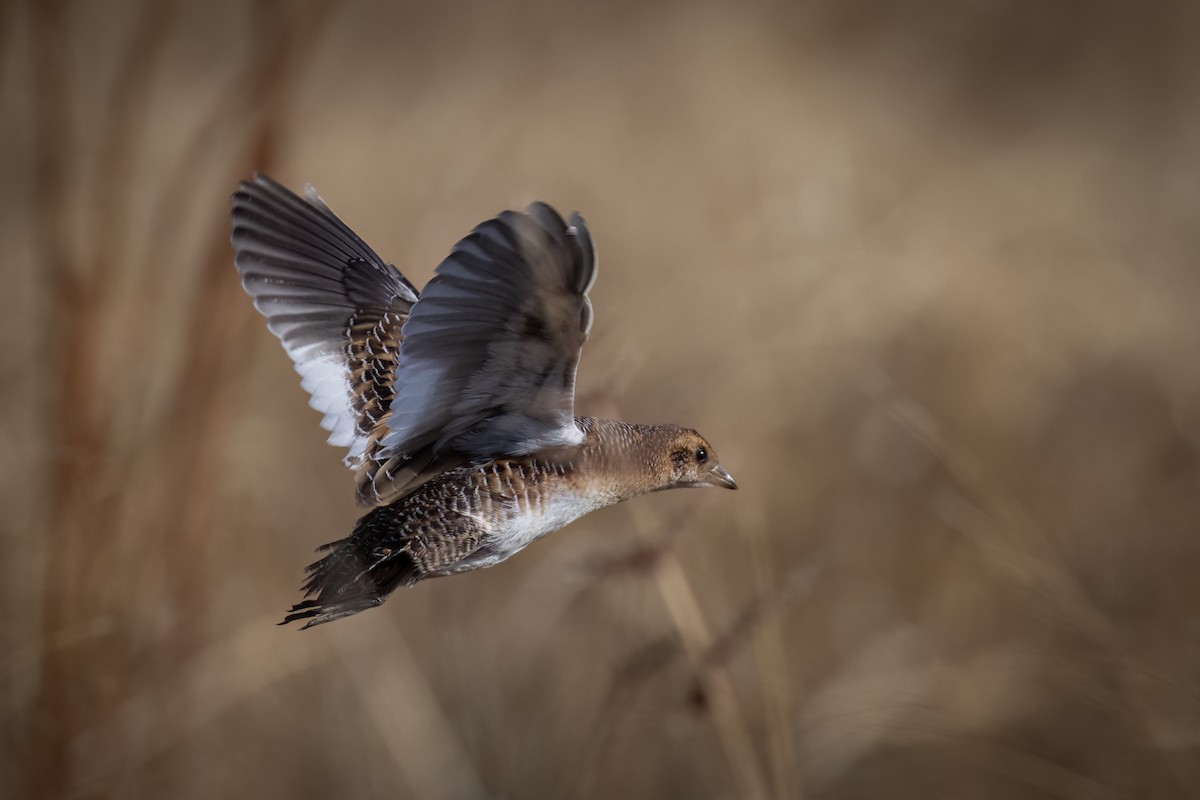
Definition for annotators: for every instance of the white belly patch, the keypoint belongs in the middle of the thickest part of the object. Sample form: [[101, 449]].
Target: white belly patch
[[525, 526]]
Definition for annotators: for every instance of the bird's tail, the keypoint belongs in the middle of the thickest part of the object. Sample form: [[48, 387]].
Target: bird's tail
[[356, 574]]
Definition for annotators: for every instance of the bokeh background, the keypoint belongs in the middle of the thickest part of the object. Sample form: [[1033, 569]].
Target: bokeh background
[[926, 274]]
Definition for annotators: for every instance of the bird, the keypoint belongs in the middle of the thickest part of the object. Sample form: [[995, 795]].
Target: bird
[[456, 403]]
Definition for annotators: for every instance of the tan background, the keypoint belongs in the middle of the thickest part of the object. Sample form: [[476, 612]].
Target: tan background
[[925, 274]]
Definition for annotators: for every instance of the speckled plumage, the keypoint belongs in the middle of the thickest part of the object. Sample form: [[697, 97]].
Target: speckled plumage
[[457, 405]]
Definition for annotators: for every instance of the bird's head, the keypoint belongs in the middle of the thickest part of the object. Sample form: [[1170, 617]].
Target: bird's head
[[693, 463]]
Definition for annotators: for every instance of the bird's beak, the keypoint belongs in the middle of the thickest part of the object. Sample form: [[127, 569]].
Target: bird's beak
[[719, 476]]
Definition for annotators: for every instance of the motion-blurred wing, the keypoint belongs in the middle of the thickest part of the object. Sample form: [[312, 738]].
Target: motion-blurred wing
[[335, 305], [487, 367]]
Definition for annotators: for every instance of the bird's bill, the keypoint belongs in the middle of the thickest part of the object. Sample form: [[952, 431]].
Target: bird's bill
[[719, 476]]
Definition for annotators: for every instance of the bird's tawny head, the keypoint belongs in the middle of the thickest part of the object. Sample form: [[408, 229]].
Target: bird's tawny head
[[693, 464]]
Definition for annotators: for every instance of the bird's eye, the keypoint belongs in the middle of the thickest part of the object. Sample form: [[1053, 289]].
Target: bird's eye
[[701, 455]]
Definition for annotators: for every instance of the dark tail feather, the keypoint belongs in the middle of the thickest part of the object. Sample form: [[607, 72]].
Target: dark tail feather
[[358, 573], [318, 613]]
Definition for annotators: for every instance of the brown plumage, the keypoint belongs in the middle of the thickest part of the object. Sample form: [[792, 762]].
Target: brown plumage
[[457, 405]]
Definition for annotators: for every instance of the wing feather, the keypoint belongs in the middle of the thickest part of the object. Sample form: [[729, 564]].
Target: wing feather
[[483, 365], [335, 305], [487, 367]]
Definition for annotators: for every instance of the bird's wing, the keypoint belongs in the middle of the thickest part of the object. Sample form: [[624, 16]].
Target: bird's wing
[[487, 367], [335, 305]]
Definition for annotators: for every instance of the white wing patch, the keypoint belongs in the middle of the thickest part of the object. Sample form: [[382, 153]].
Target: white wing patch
[[324, 377]]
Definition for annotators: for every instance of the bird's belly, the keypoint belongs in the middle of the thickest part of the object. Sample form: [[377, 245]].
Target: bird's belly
[[531, 521]]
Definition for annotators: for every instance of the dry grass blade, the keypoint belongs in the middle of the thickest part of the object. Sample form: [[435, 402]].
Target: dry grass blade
[[94, 515], [1014, 543], [399, 702], [721, 701]]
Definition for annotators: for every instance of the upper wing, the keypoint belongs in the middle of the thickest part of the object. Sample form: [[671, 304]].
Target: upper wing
[[335, 305], [487, 367]]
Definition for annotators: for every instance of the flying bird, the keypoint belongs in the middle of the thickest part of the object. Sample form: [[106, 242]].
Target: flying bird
[[457, 404]]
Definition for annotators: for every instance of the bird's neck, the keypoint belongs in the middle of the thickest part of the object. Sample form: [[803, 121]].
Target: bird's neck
[[623, 459]]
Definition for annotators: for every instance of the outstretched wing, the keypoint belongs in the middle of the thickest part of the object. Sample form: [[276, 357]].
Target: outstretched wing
[[335, 305], [487, 366]]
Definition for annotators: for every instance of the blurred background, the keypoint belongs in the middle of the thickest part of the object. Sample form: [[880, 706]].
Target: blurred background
[[925, 274]]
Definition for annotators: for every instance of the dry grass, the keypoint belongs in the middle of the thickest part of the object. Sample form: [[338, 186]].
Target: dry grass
[[926, 276]]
